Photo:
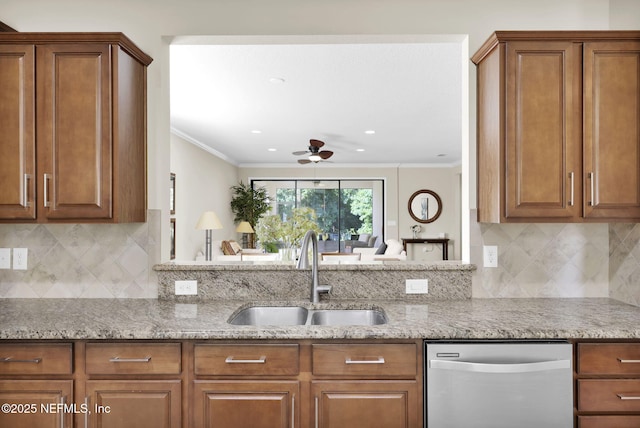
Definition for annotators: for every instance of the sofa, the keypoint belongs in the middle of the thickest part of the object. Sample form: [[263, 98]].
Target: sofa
[[392, 249]]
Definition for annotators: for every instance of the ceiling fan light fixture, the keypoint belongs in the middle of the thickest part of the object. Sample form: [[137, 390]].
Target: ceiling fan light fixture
[[315, 158]]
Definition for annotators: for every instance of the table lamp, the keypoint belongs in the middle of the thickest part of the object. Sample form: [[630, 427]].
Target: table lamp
[[244, 227], [208, 221]]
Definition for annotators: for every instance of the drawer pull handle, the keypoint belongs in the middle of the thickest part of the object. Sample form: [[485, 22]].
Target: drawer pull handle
[[12, 360], [379, 360], [231, 360], [129, 360], [628, 397], [623, 361]]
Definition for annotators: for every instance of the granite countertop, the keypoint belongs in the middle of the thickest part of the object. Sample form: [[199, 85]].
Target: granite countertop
[[447, 319]]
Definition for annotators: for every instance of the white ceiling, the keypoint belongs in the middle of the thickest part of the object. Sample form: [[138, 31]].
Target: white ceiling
[[407, 90]]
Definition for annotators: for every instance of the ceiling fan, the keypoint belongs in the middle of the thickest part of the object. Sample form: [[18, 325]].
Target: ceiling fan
[[315, 154]]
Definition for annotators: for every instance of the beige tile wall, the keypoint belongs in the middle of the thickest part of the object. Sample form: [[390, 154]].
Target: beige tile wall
[[84, 260], [542, 260], [624, 262]]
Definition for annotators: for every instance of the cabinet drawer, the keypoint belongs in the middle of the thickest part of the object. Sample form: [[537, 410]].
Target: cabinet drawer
[[394, 360], [133, 358], [36, 359], [605, 358], [240, 360], [603, 395], [608, 421]]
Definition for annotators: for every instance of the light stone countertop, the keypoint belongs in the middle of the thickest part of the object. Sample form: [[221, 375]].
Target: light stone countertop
[[446, 319]]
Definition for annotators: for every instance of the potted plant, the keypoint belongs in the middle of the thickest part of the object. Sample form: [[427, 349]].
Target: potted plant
[[249, 204], [273, 232]]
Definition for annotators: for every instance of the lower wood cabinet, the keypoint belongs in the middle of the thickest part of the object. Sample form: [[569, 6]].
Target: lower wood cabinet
[[134, 403], [608, 384], [36, 385], [211, 384], [36, 403], [250, 404], [366, 404]]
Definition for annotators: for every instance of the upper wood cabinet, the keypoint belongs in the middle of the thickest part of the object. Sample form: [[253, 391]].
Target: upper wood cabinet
[[72, 128], [558, 127]]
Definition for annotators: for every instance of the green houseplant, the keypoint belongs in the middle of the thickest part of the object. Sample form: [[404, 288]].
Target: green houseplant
[[249, 204], [273, 232]]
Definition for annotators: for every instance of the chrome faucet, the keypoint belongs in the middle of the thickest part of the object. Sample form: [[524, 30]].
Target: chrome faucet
[[303, 263]]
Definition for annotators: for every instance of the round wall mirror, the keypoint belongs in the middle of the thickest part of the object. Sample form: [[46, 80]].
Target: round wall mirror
[[425, 206]]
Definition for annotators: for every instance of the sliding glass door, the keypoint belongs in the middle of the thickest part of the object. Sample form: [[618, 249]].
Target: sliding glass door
[[350, 212]]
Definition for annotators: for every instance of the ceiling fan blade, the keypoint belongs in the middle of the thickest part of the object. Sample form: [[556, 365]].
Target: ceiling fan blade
[[316, 143], [325, 154], [300, 153], [303, 161]]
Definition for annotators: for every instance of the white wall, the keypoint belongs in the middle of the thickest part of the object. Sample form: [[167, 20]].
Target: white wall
[[146, 22], [203, 184]]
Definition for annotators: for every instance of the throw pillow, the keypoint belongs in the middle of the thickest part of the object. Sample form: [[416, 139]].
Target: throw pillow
[[364, 237], [227, 249], [236, 247], [381, 249], [394, 247], [372, 241]]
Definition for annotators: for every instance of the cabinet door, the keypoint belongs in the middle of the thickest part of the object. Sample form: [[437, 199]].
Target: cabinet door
[[365, 404], [17, 135], [612, 129], [245, 404], [134, 404], [36, 403], [74, 131], [542, 140]]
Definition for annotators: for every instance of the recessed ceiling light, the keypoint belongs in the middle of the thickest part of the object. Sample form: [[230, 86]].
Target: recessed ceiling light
[[272, 149], [256, 131], [276, 80], [370, 132], [359, 150]]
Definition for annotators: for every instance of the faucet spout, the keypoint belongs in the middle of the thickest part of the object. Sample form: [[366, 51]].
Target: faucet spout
[[303, 263]]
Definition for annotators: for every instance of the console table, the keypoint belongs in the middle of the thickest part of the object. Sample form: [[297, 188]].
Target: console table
[[443, 241]]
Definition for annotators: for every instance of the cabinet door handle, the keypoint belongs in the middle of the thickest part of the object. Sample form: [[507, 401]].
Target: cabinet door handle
[[87, 400], [47, 178], [36, 360], [231, 360], [293, 411], [623, 361], [592, 178], [379, 360], [571, 194], [129, 360], [317, 410], [25, 190], [62, 401], [628, 397]]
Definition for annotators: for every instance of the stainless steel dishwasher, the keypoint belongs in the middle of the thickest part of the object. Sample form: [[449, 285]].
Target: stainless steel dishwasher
[[490, 384]]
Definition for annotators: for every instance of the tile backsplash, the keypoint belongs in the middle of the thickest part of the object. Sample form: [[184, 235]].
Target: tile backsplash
[[83, 260], [624, 262], [558, 260]]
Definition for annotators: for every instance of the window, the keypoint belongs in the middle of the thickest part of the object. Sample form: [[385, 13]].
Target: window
[[346, 209]]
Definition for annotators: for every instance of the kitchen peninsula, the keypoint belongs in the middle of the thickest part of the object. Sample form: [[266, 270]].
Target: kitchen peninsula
[[187, 362]]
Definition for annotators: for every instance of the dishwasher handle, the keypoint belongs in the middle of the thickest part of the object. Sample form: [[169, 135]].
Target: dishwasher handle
[[466, 366]]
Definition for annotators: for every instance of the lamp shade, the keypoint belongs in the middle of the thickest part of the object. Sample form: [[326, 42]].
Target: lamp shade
[[209, 220], [244, 227]]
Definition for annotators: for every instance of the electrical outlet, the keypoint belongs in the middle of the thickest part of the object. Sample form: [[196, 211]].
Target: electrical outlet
[[490, 253], [417, 286], [5, 258], [20, 256], [186, 288]]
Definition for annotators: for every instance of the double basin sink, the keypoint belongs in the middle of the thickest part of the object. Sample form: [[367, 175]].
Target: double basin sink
[[298, 315]]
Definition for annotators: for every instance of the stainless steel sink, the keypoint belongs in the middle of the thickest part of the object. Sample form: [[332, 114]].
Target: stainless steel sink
[[298, 315], [348, 317], [270, 315]]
